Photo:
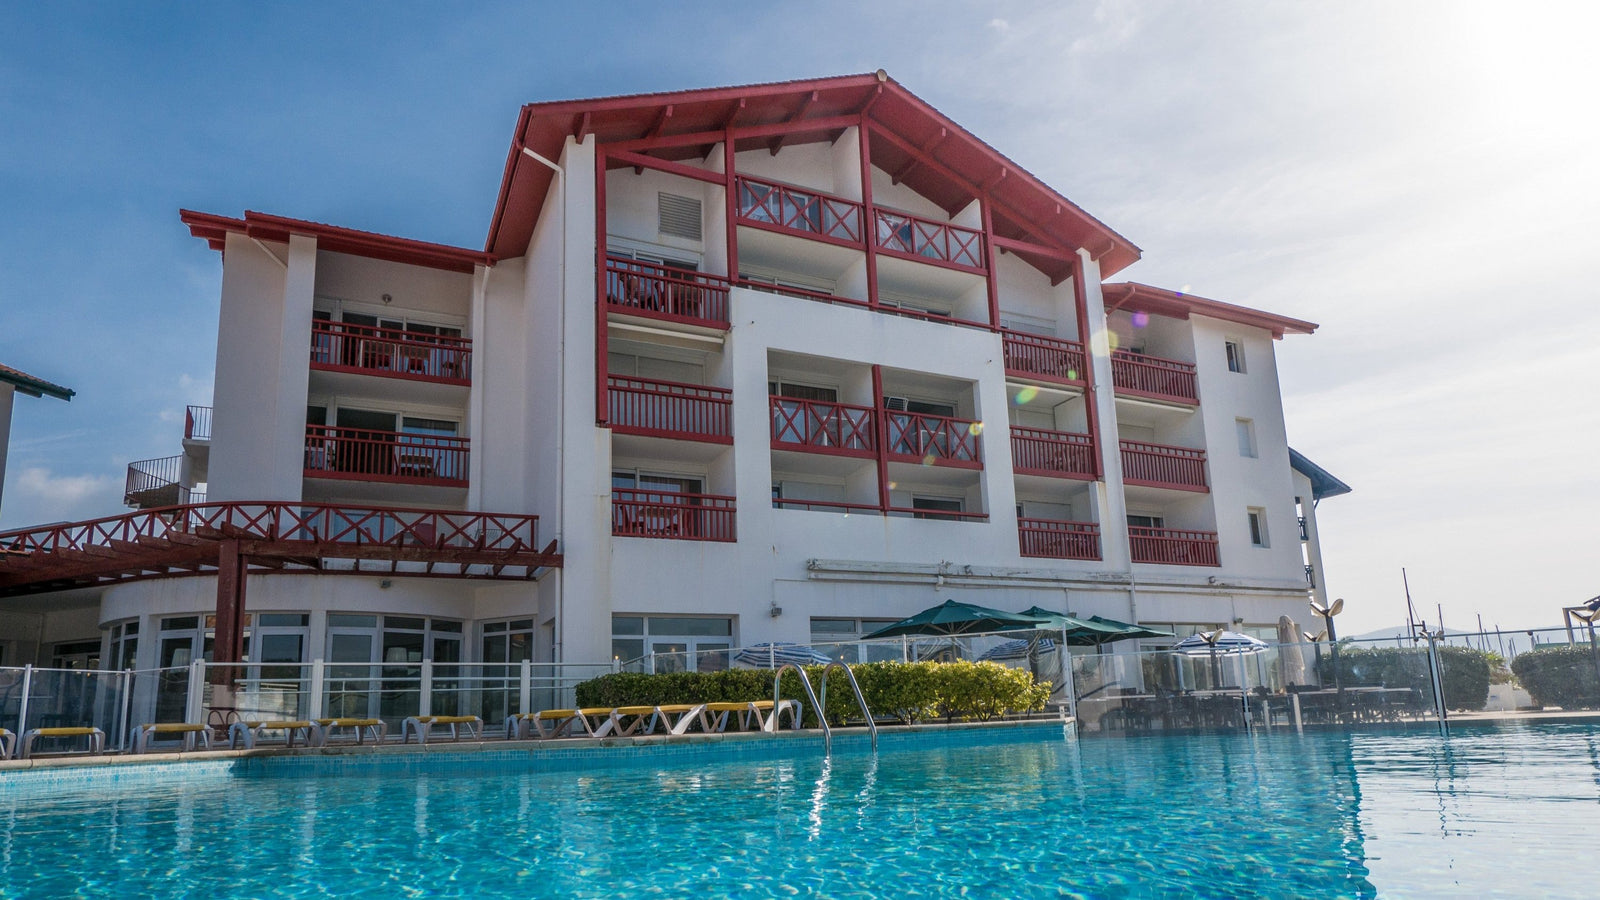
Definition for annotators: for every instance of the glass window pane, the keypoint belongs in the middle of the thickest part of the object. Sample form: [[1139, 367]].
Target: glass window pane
[[676, 625], [350, 648], [345, 620], [494, 626], [443, 625], [627, 625], [833, 626], [180, 623], [281, 648], [285, 620], [624, 650], [405, 622]]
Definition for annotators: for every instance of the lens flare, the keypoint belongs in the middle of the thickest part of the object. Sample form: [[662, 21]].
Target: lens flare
[[975, 428], [1072, 375], [928, 460], [1027, 394], [1140, 319]]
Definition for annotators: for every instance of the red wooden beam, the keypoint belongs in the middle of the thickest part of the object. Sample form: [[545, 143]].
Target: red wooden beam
[[927, 150], [883, 435], [728, 121], [1016, 246], [748, 132], [1080, 303], [602, 409], [640, 162], [776, 143], [581, 129], [869, 218], [991, 277], [655, 131]]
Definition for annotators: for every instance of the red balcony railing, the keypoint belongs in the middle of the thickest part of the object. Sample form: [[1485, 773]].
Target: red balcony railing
[[1059, 540], [779, 207], [937, 440], [366, 455], [1172, 547], [658, 292], [197, 424], [670, 409], [823, 427], [666, 514], [347, 347], [1059, 454], [1046, 358], [1152, 376], [902, 234], [1157, 465]]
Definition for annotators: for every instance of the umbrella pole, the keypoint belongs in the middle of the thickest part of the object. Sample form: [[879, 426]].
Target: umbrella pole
[[1066, 676]]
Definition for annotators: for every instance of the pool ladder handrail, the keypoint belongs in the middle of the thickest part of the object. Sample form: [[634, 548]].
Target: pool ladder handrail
[[822, 718], [861, 701]]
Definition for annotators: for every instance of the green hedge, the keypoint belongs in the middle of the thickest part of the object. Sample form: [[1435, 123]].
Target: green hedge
[[1559, 676], [910, 692], [1465, 671]]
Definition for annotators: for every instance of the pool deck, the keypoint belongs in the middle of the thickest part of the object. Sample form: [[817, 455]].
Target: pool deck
[[534, 746]]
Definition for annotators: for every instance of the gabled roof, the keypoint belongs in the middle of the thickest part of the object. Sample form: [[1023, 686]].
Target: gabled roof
[[1178, 305], [917, 145], [33, 387], [1323, 484], [214, 229]]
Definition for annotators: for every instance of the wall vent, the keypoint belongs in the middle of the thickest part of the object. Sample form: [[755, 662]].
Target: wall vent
[[679, 216]]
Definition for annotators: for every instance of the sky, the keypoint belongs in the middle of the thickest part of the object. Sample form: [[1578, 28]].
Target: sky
[[1418, 178]]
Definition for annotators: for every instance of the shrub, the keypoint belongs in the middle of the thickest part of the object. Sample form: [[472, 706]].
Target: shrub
[[1465, 671], [910, 692], [1559, 676]]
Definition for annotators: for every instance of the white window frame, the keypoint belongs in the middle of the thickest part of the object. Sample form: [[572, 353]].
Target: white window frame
[[1245, 430], [1256, 523], [1233, 355]]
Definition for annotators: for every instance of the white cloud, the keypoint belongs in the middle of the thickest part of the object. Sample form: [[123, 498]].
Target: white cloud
[[1000, 25], [36, 495]]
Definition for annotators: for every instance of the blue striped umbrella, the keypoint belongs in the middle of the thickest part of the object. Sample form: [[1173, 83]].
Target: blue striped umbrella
[[1015, 650], [778, 653], [1221, 643]]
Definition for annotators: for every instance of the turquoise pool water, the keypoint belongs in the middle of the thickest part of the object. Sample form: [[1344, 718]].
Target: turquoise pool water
[[1487, 812]]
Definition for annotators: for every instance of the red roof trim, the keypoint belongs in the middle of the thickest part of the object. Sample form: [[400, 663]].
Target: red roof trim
[[1179, 305], [262, 226]]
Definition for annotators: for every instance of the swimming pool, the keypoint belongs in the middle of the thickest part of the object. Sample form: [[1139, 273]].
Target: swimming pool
[[1488, 811]]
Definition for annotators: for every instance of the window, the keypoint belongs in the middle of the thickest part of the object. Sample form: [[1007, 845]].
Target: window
[[1235, 350], [1247, 437], [1143, 521], [671, 643], [836, 637], [1258, 526], [934, 506]]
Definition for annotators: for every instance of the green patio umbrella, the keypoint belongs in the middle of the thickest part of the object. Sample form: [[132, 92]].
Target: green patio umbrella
[[952, 619], [1122, 631]]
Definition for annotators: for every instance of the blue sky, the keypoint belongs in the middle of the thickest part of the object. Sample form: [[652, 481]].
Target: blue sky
[[1416, 177]]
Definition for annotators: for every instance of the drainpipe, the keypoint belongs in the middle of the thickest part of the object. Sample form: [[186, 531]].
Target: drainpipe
[[561, 394]]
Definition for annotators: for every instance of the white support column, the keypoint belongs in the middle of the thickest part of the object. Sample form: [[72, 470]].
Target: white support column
[[317, 671], [194, 702], [425, 697], [1113, 504]]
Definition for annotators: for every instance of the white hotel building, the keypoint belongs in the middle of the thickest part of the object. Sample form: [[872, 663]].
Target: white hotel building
[[769, 363]]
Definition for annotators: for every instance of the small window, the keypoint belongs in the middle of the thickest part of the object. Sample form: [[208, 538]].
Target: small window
[[932, 507], [1258, 526], [679, 216], [1235, 356], [1142, 521], [1247, 437]]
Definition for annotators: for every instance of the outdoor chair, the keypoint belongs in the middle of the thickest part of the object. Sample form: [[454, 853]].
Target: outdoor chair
[[8, 743], [422, 727], [97, 738], [377, 729], [192, 734], [247, 733]]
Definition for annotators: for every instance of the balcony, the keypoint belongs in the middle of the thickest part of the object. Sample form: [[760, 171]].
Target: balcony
[[670, 409], [820, 427], [1160, 466], [1035, 357], [1051, 539], [1054, 454], [153, 483], [670, 515], [390, 352], [790, 210], [934, 440], [1172, 547], [672, 295], [924, 240], [197, 424], [1137, 375], [361, 454]]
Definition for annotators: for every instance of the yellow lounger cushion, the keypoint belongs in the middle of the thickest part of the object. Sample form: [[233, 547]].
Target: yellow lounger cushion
[[678, 707], [349, 723], [174, 728], [64, 732], [635, 710], [556, 713], [446, 720], [727, 707]]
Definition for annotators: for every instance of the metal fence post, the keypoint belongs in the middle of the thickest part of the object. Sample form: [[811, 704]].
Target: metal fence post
[[425, 698], [1244, 689], [22, 710], [194, 702], [525, 688], [317, 668], [1066, 677], [127, 703]]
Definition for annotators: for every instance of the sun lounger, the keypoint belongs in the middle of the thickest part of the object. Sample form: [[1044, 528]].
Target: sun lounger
[[422, 727], [192, 733], [676, 718], [377, 729], [754, 712], [8, 743], [97, 738], [595, 721], [246, 733]]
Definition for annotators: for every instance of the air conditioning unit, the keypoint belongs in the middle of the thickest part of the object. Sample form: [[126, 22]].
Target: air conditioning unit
[[898, 404]]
